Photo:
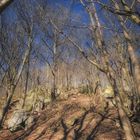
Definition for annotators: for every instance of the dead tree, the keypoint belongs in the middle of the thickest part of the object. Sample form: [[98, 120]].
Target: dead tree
[[16, 67], [106, 69], [126, 10], [53, 43], [129, 133], [12, 86], [131, 51]]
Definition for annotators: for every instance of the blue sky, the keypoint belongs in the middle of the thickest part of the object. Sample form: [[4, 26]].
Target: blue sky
[[76, 8]]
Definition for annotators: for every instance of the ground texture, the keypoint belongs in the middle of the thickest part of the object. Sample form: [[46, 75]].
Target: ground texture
[[73, 119]]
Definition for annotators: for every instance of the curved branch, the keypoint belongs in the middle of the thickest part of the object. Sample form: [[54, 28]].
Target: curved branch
[[4, 4], [79, 48]]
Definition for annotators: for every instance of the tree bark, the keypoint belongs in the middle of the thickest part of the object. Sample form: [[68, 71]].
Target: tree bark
[[131, 52], [54, 88], [127, 127], [26, 82]]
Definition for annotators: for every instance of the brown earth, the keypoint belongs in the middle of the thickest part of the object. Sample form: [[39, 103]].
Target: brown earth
[[72, 119]]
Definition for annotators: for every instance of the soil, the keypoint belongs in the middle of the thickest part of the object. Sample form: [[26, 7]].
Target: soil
[[72, 119]]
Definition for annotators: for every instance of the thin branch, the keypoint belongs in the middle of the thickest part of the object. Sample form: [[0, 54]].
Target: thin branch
[[78, 47], [4, 4]]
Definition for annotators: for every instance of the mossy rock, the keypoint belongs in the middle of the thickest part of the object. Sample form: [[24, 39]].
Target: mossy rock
[[28, 107], [16, 121], [86, 89], [35, 98], [108, 92]]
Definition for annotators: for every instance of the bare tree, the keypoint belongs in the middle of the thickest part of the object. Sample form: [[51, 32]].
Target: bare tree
[[127, 10], [53, 41], [17, 67], [109, 73], [106, 69]]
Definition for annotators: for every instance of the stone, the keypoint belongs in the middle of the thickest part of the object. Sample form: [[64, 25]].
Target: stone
[[17, 120], [34, 102], [29, 122], [20, 119], [108, 92], [47, 100]]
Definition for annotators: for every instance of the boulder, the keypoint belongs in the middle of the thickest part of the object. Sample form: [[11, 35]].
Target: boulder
[[108, 94], [29, 122], [17, 120], [34, 102], [35, 99], [20, 119]]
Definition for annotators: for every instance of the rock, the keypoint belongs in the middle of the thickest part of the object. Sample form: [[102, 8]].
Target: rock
[[17, 120], [35, 99], [47, 100], [29, 122], [108, 92], [34, 102], [20, 119], [38, 106]]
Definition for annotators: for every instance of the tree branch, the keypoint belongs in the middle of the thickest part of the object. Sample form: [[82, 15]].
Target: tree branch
[[4, 4], [79, 48]]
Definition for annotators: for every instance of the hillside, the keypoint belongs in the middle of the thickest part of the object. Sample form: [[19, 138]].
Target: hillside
[[73, 119], [69, 70]]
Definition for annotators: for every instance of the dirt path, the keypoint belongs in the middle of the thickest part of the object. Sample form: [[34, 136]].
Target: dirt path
[[73, 119]]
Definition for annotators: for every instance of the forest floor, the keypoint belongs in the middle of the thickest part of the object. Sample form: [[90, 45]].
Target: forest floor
[[72, 119]]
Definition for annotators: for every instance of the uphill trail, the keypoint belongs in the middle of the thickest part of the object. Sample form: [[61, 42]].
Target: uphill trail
[[76, 118]]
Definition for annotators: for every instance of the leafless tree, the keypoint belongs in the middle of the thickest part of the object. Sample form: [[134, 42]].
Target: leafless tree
[[14, 67]]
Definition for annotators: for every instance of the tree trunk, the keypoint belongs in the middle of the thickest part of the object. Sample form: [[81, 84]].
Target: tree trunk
[[14, 83], [131, 52], [127, 127], [136, 66], [53, 92], [54, 88], [26, 82], [7, 103]]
